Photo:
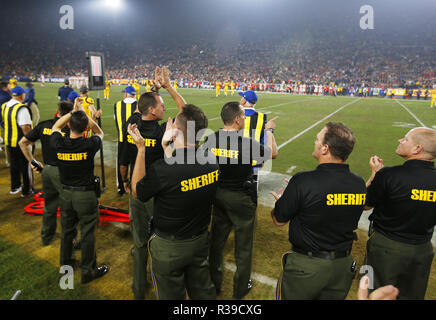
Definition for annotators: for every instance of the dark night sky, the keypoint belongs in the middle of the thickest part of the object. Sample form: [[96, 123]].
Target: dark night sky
[[202, 19]]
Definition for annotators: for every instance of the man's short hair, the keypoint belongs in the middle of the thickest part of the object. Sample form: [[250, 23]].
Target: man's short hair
[[229, 112], [64, 107], [78, 121], [191, 113], [3, 84], [147, 100], [340, 140]]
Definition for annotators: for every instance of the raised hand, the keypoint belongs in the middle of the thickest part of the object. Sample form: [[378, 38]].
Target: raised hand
[[165, 78], [157, 78]]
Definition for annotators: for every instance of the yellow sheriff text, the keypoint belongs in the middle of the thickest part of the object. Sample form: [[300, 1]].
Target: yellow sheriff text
[[346, 199], [423, 195], [47, 132], [233, 154], [200, 181], [73, 156], [147, 142]]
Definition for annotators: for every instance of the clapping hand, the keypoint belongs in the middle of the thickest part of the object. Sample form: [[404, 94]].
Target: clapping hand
[[156, 82], [383, 293], [376, 163], [133, 130], [279, 193], [165, 78], [170, 133]]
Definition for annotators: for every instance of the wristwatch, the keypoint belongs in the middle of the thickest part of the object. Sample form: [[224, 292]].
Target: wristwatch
[[270, 129]]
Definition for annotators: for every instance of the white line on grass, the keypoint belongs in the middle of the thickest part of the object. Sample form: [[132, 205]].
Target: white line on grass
[[255, 276], [411, 113], [276, 105], [316, 123]]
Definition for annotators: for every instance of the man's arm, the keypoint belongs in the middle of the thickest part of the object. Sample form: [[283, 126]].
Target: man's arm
[[139, 170], [271, 140], [61, 123], [95, 128], [26, 128], [25, 148], [376, 163], [166, 84]]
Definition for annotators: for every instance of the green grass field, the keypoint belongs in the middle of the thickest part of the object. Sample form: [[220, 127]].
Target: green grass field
[[372, 121], [377, 124]]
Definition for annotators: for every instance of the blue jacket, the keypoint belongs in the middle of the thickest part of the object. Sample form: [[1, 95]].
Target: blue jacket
[[64, 92], [30, 96]]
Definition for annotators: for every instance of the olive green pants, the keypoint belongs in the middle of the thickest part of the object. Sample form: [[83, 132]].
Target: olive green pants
[[140, 215], [402, 265], [232, 209], [180, 266], [79, 208], [310, 278], [51, 188]]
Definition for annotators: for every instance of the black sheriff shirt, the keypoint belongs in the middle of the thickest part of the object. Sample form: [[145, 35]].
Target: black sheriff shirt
[[404, 201], [323, 207], [183, 195], [75, 158], [152, 132], [43, 132], [235, 155]]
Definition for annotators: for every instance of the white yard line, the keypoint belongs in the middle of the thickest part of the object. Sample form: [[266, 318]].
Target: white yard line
[[255, 276], [411, 113], [276, 105], [316, 123]]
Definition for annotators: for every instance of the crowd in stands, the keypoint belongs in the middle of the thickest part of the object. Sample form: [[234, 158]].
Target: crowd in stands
[[312, 60]]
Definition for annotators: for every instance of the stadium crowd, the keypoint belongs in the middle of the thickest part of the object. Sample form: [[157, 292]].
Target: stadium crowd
[[343, 60]]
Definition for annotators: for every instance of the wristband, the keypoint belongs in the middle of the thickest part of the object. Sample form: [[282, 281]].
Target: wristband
[[126, 181]]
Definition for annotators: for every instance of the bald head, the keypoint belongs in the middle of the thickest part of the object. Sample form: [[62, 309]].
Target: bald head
[[426, 138]]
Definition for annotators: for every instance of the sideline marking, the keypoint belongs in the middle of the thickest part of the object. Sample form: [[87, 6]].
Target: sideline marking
[[411, 113], [255, 276], [316, 123]]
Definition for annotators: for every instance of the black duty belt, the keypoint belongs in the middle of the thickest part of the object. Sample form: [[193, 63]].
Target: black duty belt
[[172, 237], [85, 188], [329, 255]]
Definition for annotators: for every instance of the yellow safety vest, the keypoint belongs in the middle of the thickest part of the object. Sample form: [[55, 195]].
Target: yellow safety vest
[[259, 128], [123, 111], [13, 131]]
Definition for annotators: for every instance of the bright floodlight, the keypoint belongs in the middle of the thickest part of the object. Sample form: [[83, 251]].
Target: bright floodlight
[[113, 4]]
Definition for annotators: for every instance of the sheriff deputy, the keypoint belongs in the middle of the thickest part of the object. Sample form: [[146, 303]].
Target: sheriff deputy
[[323, 207], [51, 184], [236, 198], [404, 199], [183, 193], [151, 110], [79, 200]]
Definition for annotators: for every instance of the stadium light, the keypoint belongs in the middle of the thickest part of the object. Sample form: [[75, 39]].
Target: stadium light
[[113, 4]]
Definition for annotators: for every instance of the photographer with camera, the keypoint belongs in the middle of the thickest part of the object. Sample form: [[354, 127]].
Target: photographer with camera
[[79, 197]]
